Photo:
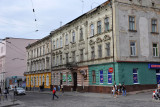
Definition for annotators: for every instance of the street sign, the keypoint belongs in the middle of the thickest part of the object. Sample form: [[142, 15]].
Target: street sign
[[110, 70]]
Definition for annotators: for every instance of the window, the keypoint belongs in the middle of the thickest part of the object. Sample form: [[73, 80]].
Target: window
[[135, 76], [60, 42], [43, 49], [154, 25], [57, 44], [67, 58], [93, 76], [54, 45], [101, 76], [99, 27], [37, 52], [66, 39], [100, 51], [81, 34], [106, 22], [39, 80], [61, 59], [81, 54], [57, 61], [92, 30], [54, 61], [73, 56], [73, 36], [133, 48], [92, 53], [155, 50], [131, 23], [107, 49], [47, 80], [43, 80], [158, 76], [40, 51], [109, 77], [47, 47], [28, 81]]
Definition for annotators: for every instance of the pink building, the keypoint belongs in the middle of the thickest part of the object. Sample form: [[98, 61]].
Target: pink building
[[13, 61]]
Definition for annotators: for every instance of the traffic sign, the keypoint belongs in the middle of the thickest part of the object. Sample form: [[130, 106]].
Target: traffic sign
[[110, 70]]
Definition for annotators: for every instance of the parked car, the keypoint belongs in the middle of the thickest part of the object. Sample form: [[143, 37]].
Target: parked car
[[20, 91]]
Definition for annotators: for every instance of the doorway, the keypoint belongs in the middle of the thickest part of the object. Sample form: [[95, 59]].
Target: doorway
[[75, 81]]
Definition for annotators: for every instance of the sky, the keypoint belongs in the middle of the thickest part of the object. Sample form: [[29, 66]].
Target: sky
[[17, 18]]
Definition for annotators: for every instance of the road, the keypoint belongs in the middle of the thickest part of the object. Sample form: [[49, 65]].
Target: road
[[34, 99]]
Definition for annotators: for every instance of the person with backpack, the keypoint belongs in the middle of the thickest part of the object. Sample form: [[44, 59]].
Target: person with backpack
[[54, 93]]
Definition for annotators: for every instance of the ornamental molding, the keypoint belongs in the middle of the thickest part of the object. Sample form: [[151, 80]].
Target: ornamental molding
[[99, 40], [91, 42], [106, 38]]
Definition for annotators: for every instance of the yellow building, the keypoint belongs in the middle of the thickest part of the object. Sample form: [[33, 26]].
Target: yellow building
[[39, 65]]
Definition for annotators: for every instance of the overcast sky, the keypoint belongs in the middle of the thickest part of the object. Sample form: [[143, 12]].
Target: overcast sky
[[17, 18]]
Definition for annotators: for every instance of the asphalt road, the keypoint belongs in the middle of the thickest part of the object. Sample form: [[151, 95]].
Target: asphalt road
[[87, 100]]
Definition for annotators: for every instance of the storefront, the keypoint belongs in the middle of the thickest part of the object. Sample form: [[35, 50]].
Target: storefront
[[135, 75]]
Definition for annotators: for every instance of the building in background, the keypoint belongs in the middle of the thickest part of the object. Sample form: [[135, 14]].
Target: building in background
[[39, 64], [13, 61], [116, 42]]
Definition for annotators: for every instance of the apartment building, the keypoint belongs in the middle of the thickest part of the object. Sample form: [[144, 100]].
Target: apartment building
[[13, 61], [119, 34]]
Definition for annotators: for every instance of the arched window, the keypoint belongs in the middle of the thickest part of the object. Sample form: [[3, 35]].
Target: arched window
[[39, 80], [47, 80]]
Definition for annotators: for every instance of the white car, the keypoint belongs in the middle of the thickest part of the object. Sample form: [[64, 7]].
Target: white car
[[20, 91]]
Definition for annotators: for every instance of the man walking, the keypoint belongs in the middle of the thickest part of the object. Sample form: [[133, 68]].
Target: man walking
[[54, 93]]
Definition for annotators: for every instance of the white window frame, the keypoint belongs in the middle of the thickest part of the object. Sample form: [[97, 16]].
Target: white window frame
[[133, 48], [73, 37], [155, 50], [137, 77], [92, 30]]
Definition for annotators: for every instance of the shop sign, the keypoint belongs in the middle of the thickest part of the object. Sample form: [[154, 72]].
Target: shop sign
[[154, 66], [69, 78], [111, 70]]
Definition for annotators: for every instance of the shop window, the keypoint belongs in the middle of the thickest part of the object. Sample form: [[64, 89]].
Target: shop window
[[135, 76], [101, 76], [109, 78], [158, 76], [93, 76], [39, 80]]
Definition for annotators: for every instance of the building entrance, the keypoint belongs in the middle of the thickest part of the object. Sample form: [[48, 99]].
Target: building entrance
[[75, 81]]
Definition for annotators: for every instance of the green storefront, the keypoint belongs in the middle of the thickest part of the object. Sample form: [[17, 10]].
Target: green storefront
[[135, 75]]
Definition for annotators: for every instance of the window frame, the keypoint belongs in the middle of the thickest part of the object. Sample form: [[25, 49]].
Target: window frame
[[99, 27], [73, 37], [132, 24], [92, 52], [99, 51], [106, 23], [155, 25], [92, 30], [81, 34], [93, 76], [136, 77], [133, 48], [157, 51], [81, 55]]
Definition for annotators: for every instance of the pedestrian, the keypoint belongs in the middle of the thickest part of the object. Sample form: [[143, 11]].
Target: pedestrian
[[54, 93], [114, 91], [123, 90], [62, 88], [15, 90], [120, 89], [5, 92]]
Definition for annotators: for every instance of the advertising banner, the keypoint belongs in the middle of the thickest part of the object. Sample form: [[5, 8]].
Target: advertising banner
[[101, 76]]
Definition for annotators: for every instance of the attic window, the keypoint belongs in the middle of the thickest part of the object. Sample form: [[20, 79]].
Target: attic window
[[152, 4]]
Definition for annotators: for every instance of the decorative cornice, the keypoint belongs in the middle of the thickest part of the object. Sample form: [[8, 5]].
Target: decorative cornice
[[91, 42], [106, 38], [99, 40]]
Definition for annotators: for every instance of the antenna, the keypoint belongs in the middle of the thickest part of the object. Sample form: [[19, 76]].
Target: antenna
[[60, 23], [82, 5]]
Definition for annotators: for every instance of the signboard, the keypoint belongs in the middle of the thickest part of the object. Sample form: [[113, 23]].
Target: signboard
[[109, 78], [64, 77], [69, 78], [101, 76], [154, 66], [111, 70]]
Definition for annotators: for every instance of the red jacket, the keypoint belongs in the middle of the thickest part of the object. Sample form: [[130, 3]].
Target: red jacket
[[54, 91]]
